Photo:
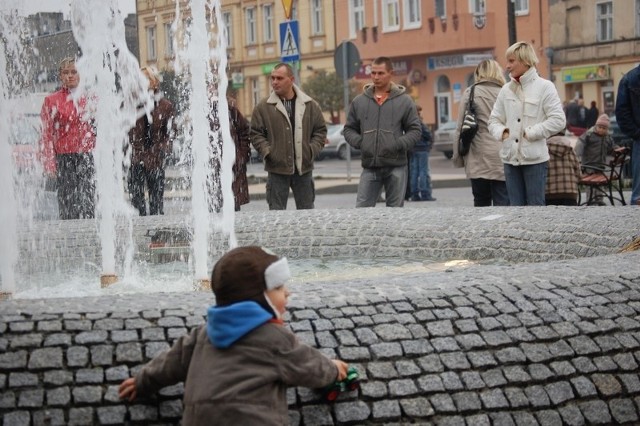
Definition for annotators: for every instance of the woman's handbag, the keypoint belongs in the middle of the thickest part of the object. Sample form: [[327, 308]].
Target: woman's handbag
[[469, 126]]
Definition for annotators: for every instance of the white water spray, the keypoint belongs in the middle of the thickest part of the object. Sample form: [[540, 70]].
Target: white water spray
[[111, 80]]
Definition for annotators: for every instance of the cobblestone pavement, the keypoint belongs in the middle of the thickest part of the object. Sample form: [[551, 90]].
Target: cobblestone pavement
[[548, 332]]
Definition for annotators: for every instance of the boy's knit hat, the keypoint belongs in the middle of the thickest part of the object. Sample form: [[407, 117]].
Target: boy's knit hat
[[603, 120], [245, 273]]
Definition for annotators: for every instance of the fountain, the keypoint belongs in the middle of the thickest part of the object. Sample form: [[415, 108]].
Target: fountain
[[115, 89]]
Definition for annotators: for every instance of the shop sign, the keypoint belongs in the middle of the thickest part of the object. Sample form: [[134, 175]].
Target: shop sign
[[267, 68], [586, 73], [400, 67], [457, 61], [237, 80]]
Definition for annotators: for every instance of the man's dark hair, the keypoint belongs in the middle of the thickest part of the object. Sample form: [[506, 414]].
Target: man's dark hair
[[384, 60], [287, 66]]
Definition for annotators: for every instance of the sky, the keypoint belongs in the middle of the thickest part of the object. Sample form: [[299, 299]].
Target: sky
[[28, 7]]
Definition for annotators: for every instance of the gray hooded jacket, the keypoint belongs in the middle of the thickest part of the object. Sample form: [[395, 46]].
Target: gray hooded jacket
[[383, 133]]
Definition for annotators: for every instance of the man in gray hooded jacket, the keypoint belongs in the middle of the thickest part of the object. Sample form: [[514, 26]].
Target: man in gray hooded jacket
[[383, 124]]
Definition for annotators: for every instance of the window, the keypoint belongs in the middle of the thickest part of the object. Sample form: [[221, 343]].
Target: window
[[250, 15], [267, 21], [604, 21], [151, 44], [441, 11], [521, 7], [390, 15], [356, 17], [317, 21], [168, 39], [255, 91], [412, 14], [476, 7], [227, 20]]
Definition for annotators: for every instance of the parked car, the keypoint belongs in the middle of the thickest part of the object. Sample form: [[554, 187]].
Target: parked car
[[24, 137], [443, 138], [336, 145]]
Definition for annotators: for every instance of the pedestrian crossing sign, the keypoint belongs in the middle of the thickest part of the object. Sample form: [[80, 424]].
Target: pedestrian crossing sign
[[289, 41]]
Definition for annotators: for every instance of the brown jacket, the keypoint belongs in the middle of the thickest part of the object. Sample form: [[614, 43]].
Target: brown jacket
[[162, 132], [564, 170], [272, 137], [243, 384]]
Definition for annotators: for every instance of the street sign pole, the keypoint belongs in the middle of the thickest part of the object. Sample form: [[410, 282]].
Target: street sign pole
[[345, 98], [347, 62]]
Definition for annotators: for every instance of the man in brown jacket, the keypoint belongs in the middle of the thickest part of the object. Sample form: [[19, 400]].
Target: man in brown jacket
[[288, 130], [238, 365]]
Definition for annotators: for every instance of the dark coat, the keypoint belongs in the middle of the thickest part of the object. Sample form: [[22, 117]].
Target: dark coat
[[162, 131], [241, 135]]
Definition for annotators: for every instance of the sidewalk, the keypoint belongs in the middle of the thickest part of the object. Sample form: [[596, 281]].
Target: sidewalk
[[325, 182]]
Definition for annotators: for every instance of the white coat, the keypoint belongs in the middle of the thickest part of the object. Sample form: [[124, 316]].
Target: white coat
[[530, 107]]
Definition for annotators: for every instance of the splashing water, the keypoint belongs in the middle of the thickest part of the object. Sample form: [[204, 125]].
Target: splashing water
[[8, 214], [115, 90], [111, 79], [208, 84]]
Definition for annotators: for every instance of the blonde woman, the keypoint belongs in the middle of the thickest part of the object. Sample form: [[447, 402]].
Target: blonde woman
[[527, 111], [482, 164], [151, 143]]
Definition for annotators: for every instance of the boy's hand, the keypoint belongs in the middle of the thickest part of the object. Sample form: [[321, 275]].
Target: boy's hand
[[342, 369], [127, 389]]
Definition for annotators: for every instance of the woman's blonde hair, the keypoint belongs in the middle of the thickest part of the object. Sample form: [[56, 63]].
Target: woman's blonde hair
[[153, 77], [523, 52], [66, 62], [489, 70]]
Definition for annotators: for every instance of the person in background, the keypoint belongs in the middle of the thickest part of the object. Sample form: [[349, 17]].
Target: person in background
[[592, 115], [564, 172], [628, 118], [241, 135], [482, 164], [151, 142], [419, 165], [289, 131], [524, 127], [237, 366], [592, 148], [383, 123], [67, 144]]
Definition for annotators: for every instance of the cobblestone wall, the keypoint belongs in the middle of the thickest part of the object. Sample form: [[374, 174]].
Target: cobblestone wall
[[552, 342]]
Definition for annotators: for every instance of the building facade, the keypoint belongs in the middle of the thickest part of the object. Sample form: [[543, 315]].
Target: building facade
[[253, 34], [436, 44], [594, 43]]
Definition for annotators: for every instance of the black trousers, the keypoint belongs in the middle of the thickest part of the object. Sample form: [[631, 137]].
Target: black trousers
[[76, 186], [154, 181]]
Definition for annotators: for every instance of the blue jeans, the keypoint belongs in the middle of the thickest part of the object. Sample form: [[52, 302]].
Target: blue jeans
[[420, 178], [635, 173], [526, 184], [394, 180], [487, 191]]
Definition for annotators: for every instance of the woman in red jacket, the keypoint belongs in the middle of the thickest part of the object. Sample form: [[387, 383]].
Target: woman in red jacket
[[68, 140]]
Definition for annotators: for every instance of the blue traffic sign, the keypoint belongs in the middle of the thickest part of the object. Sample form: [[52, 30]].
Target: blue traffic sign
[[289, 41]]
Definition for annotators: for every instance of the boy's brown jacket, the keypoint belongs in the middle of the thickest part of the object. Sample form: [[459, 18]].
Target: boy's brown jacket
[[243, 384]]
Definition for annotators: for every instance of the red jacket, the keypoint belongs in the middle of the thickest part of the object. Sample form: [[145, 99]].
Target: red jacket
[[64, 130]]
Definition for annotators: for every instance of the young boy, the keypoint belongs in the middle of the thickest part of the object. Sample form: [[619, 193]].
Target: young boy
[[237, 366]]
